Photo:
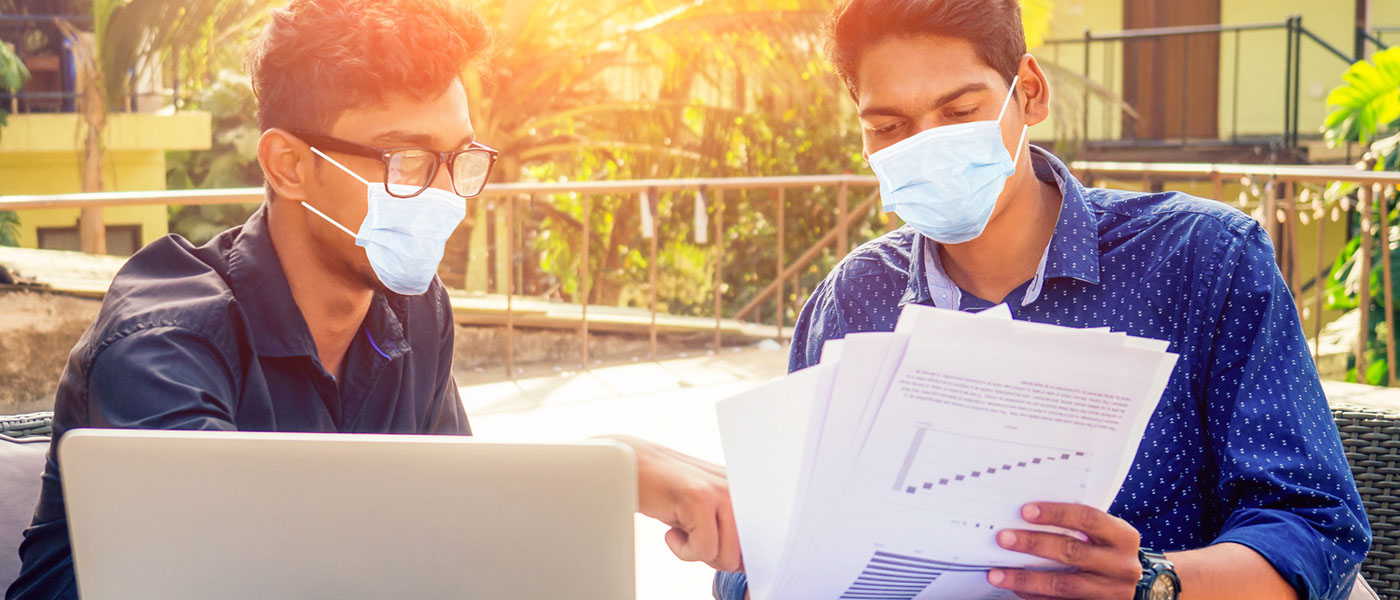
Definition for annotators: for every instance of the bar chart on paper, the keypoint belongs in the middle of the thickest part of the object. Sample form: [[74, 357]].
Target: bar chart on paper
[[961, 472], [893, 576]]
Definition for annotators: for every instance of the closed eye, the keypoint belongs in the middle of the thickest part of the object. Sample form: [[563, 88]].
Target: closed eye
[[963, 114], [886, 129]]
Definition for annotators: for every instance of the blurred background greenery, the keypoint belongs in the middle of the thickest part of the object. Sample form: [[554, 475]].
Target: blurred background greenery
[[577, 90]]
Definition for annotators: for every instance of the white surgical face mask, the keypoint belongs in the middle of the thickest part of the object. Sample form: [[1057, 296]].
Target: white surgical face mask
[[403, 237], [944, 182]]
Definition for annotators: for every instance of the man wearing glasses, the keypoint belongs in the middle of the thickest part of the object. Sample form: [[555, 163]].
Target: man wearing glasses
[[322, 313]]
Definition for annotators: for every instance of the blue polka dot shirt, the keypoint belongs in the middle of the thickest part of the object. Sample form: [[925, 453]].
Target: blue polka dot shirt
[[1242, 447]]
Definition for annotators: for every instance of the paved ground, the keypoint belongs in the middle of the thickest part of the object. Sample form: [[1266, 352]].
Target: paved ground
[[670, 402]]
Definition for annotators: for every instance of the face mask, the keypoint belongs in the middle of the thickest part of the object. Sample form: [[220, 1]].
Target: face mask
[[403, 237], [944, 182]]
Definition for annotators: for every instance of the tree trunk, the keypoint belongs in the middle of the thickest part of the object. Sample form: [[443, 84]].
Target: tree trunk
[[92, 232]]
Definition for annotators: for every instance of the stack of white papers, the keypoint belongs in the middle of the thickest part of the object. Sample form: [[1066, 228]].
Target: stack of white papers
[[885, 471]]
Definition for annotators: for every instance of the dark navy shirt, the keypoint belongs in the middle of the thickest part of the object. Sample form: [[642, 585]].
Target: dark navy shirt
[[211, 338], [1242, 447]]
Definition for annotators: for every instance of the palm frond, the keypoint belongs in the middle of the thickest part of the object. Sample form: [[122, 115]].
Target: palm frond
[[1367, 102]]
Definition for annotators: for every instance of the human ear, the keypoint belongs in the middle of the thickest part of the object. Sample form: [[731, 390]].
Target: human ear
[[286, 164]]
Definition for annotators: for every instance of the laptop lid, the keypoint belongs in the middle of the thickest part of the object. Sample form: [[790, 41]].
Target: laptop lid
[[237, 515]]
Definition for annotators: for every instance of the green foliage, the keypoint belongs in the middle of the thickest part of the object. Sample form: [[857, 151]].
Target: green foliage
[[13, 74], [133, 36], [708, 89], [1367, 106], [1369, 101], [231, 161], [587, 90], [1343, 292], [9, 228]]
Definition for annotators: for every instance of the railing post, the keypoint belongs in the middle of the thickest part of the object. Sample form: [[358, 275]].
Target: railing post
[[1297, 77], [1364, 288], [1287, 258], [648, 196], [510, 287], [1288, 81], [1319, 214], [1387, 286], [782, 255], [1269, 204], [843, 236], [1088, 41], [719, 267], [584, 282]]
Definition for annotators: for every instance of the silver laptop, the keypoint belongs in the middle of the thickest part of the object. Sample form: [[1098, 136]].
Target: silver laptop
[[234, 515]]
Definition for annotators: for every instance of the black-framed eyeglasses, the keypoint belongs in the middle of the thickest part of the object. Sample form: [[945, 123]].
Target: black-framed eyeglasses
[[415, 168]]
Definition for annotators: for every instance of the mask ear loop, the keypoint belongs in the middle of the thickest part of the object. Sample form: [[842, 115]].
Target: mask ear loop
[[1016, 160], [1004, 104], [342, 167], [1025, 129], [323, 215]]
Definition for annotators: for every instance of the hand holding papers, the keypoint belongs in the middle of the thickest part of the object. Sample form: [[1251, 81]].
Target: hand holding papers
[[886, 470]]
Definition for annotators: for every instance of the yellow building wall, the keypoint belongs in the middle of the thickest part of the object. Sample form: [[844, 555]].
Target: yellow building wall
[[1256, 108], [41, 154], [1064, 66], [1262, 60]]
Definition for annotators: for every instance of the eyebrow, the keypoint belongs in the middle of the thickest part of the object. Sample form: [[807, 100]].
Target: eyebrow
[[891, 111], [417, 139]]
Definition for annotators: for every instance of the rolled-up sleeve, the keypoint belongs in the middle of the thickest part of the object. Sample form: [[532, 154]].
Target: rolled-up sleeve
[[1283, 477]]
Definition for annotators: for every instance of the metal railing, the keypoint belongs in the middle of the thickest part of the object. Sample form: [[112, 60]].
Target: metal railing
[[835, 241], [1287, 136], [1281, 209]]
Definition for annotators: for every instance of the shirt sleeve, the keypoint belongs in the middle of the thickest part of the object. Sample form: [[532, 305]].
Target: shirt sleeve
[[1282, 473], [162, 378], [156, 378], [819, 321], [730, 586]]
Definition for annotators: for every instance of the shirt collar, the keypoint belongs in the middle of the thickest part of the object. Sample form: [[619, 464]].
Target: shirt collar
[[260, 286], [1072, 252]]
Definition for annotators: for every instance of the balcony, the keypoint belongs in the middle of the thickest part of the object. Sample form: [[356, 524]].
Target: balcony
[[1210, 93]]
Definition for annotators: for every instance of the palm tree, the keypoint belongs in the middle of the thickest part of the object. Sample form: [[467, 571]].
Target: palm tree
[[129, 39]]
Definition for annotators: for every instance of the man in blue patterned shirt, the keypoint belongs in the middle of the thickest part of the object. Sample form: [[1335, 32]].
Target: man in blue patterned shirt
[[1240, 478]]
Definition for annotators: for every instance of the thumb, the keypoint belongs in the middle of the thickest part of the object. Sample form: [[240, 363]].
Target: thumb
[[696, 543]]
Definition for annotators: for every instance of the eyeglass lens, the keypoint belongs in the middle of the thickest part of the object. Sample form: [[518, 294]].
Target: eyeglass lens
[[415, 168]]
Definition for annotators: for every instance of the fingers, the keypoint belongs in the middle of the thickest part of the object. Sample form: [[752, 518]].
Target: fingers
[[1101, 527], [1058, 584], [692, 496], [1104, 560], [704, 530], [695, 544]]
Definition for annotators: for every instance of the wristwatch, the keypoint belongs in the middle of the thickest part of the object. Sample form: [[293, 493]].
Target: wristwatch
[[1159, 580]]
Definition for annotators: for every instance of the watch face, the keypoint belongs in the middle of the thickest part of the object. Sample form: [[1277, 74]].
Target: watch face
[[1164, 588]]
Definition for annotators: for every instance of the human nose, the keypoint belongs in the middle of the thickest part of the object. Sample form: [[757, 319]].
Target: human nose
[[442, 178]]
